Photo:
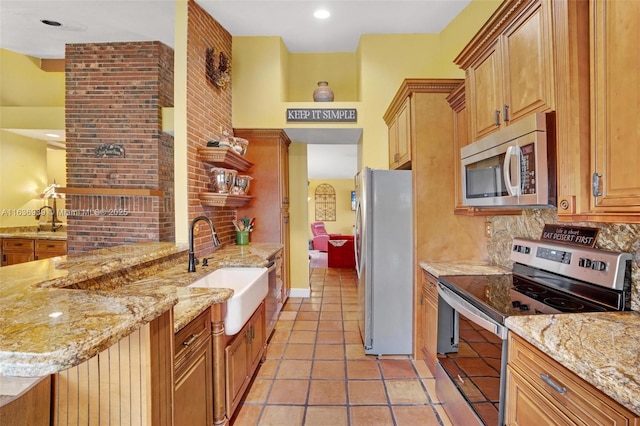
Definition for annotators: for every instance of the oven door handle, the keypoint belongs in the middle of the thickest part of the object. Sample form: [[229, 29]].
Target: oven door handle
[[471, 312]]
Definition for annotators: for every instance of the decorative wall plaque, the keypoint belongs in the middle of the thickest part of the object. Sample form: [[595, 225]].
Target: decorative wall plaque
[[319, 115], [572, 235], [218, 74], [110, 150]]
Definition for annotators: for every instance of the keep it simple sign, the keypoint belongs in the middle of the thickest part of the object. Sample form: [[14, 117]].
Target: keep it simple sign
[[322, 115]]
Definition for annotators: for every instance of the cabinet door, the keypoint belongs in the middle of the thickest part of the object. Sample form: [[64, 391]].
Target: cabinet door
[[236, 366], [485, 93], [400, 138], [527, 64], [257, 339], [429, 303], [393, 143], [615, 108], [526, 406], [193, 396], [403, 147]]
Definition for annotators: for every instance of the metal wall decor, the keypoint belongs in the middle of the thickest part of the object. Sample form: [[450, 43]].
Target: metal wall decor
[[218, 73], [325, 200]]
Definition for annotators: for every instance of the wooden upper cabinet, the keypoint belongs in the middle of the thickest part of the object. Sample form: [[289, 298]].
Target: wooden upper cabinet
[[615, 107], [400, 138], [598, 104], [405, 118], [509, 66]]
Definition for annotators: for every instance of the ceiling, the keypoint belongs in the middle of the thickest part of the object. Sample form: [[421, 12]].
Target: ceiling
[[82, 21]]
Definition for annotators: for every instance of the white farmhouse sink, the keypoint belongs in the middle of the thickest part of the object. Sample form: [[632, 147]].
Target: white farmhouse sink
[[250, 286]]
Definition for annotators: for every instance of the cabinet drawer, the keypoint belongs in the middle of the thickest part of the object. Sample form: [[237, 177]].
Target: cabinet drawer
[[191, 336], [51, 245], [17, 244], [429, 284], [576, 398]]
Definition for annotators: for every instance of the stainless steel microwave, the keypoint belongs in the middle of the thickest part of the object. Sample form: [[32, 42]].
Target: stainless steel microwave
[[513, 167]]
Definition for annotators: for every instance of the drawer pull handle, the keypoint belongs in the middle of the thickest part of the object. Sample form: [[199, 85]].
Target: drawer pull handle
[[556, 387], [192, 339]]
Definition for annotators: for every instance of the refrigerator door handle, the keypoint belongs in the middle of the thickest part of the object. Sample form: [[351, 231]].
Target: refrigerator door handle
[[357, 247]]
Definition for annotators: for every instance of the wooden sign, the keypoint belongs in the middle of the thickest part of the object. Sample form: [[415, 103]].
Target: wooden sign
[[320, 115], [573, 235]]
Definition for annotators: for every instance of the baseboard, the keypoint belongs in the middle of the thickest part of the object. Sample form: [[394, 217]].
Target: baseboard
[[300, 292]]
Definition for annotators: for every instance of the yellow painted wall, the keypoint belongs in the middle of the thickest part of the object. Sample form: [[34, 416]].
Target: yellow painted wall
[[257, 81], [338, 69], [30, 99], [23, 83], [344, 215], [299, 272], [23, 177], [460, 30]]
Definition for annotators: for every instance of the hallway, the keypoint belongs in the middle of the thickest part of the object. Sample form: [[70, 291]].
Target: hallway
[[316, 372]]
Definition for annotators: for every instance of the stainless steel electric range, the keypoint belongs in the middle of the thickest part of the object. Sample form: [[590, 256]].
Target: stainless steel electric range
[[547, 278]]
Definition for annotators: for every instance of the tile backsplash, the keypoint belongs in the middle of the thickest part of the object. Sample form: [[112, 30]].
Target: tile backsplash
[[612, 236]]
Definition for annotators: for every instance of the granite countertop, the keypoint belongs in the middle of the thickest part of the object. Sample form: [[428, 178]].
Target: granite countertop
[[60, 312], [463, 267], [601, 348], [36, 235]]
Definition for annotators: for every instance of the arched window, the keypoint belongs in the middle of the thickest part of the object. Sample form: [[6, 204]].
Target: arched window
[[325, 199]]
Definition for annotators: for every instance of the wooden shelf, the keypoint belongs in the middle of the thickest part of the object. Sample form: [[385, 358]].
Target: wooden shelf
[[111, 191], [224, 157], [223, 200]]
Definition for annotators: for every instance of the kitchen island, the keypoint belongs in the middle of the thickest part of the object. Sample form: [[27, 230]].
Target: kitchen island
[[60, 313]]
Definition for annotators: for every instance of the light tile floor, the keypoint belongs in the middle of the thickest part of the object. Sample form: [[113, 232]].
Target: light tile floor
[[316, 372]]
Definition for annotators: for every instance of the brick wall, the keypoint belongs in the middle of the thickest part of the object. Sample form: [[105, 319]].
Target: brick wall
[[208, 110], [114, 95]]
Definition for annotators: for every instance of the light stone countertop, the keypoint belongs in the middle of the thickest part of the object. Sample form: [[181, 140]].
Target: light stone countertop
[[98, 297], [463, 267], [601, 348]]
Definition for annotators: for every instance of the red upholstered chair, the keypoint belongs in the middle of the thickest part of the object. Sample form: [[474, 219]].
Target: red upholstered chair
[[320, 236]]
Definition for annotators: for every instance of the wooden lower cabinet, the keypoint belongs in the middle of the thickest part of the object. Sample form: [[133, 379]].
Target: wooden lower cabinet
[[193, 393], [45, 249], [242, 357], [429, 320], [17, 250], [541, 391], [129, 383], [21, 250]]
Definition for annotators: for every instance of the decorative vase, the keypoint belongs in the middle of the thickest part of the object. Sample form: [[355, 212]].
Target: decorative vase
[[323, 92]]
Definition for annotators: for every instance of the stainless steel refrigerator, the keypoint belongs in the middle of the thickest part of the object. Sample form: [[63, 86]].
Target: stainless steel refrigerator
[[384, 260]]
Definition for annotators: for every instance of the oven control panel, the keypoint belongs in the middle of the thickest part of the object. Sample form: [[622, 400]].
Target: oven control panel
[[554, 255], [595, 266]]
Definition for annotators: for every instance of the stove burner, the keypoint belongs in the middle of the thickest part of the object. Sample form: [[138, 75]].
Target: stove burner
[[563, 304], [533, 291]]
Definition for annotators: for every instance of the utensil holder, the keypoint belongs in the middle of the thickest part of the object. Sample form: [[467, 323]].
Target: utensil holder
[[242, 238]]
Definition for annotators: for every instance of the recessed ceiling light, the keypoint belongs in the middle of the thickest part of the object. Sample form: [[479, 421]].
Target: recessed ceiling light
[[51, 23], [321, 14], [52, 135]]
